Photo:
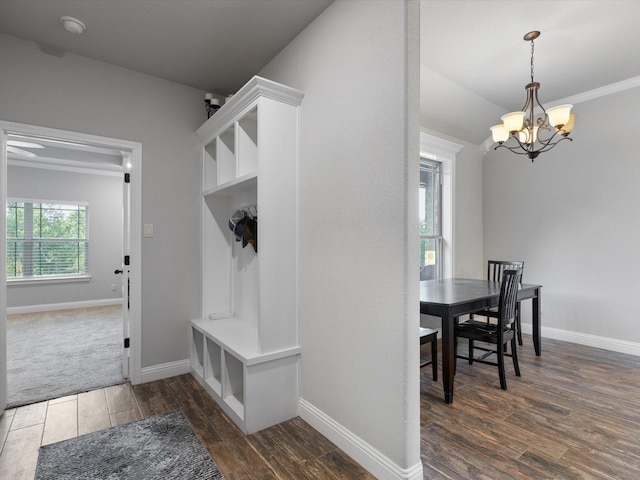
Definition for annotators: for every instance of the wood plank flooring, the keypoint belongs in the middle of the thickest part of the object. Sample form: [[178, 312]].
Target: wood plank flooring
[[24, 429], [574, 413], [286, 451]]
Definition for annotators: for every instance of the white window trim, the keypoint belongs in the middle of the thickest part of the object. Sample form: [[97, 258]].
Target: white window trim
[[14, 282], [444, 151]]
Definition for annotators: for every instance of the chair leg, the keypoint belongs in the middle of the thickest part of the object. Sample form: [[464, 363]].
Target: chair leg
[[434, 358], [514, 355], [518, 324], [455, 356], [470, 352], [503, 378]]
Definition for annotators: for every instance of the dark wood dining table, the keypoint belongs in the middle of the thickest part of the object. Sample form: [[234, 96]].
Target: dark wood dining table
[[451, 298]]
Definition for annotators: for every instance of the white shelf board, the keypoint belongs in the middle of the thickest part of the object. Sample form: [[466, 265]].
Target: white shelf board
[[240, 338], [246, 182]]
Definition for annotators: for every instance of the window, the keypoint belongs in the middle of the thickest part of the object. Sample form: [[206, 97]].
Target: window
[[430, 210], [46, 240], [444, 152]]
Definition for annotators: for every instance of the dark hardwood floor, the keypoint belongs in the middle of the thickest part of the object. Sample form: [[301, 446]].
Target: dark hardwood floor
[[290, 450], [574, 413]]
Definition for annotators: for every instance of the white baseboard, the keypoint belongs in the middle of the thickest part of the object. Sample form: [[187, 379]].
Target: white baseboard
[[613, 344], [363, 453], [48, 307], [165, 370]]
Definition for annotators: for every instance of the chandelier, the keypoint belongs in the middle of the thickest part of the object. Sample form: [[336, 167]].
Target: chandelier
[[525, 134]]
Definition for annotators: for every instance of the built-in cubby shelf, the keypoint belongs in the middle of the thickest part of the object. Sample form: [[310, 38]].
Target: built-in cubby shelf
[[255, 389], [213, 366], [244, 348], [248, 182]]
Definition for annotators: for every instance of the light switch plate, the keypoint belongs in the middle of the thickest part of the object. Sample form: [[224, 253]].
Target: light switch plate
[[148, 229]]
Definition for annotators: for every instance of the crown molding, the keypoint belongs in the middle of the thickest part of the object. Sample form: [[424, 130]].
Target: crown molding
[[600, 92]]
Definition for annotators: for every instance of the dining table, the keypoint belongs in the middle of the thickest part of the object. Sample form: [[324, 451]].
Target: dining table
[[450, 298]]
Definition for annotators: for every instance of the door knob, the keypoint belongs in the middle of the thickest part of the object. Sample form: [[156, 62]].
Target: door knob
[[117, 271]]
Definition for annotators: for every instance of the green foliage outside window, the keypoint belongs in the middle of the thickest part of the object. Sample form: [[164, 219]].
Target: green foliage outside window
[[46, 239]]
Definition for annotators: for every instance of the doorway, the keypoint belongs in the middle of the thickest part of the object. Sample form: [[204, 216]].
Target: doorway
[[83, 153]]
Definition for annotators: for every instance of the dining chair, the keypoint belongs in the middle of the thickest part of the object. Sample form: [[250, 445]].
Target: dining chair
[[499, 334], [428, 272], [430, 335], [495, 269]]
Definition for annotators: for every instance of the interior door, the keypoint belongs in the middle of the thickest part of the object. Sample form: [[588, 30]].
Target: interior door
[[126, 267]]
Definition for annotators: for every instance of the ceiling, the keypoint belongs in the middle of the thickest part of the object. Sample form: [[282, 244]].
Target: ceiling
[[473, 54], [212, 45], [42, 152], [474, 63]]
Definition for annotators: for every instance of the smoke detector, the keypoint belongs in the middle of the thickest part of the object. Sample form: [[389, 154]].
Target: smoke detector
[[73, 25]]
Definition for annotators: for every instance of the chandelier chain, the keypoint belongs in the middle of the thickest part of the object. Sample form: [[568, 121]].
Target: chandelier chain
[[532, 60]]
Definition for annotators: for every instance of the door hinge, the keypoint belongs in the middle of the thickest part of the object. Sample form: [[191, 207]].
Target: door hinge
[[126, 343], [127, 178], [126, 259]]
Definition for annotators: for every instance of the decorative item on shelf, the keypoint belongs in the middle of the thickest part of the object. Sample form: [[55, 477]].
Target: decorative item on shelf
[[211, 104], [244, 225], [533, 136], [236, 224], [250, 234]]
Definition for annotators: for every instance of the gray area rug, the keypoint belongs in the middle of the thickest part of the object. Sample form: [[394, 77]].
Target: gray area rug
[[162, 447], [58, 353]]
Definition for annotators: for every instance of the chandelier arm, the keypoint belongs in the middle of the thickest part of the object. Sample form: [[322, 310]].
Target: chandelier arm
[[535, 96], [529, 100], [548, 146], [514, 149], [542, 127], [527, 149], [547, 141]]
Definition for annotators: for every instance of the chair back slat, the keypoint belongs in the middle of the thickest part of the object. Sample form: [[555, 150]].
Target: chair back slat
[[508, 297], [495, 268]]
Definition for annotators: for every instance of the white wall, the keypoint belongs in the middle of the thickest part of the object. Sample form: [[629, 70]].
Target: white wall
[[467, 214], [358, 228], [74, 93], [104, 195], [572, 217]]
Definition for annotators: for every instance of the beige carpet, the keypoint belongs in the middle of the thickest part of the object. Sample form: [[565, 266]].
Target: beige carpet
[[58, 353]]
